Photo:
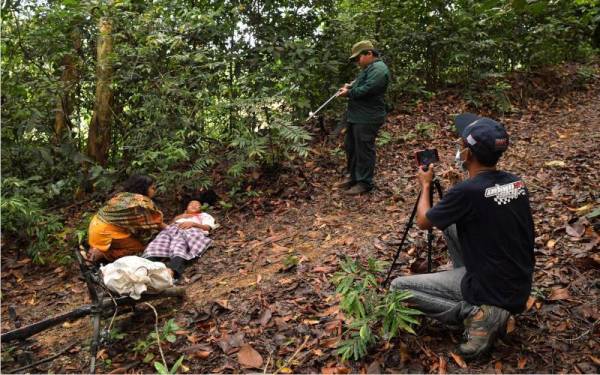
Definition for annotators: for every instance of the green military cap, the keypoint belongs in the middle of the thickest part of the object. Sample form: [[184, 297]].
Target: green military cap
[[363, 45]]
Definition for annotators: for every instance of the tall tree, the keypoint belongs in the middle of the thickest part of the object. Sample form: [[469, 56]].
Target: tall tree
[[100, 126], [69, 78]]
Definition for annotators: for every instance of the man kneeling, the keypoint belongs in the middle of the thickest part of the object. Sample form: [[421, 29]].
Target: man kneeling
[[488, 227]]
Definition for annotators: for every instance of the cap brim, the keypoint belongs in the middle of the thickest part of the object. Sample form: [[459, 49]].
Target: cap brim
[[464, 120], [354, 56]]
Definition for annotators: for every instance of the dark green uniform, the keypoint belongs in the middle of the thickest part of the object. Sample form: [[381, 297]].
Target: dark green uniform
[[365, 115]]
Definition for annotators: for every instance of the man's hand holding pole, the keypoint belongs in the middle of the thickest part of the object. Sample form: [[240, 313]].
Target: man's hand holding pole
[[343, 91]]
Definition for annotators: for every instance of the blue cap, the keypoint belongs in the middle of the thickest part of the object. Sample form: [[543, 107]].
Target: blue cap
[[485, 137]]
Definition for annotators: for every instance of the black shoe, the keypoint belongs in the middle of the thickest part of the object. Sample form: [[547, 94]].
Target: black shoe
[[346, 184], [358, 189]]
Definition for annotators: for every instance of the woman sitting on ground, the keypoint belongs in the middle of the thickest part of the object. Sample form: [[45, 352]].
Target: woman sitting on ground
[[116, 229], [185, 239]]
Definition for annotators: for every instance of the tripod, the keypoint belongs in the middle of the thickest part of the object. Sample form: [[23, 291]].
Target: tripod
[[411, 220]]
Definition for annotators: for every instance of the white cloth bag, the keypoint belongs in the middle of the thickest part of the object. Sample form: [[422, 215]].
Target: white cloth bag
[[132, 275]]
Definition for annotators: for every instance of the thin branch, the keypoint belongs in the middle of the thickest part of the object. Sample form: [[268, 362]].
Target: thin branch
[[286, 364], [162, 355], [41, 361]]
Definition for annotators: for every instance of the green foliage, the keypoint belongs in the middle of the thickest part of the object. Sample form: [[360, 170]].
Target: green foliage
[[166, 333], [384, 138], [425, 129], [27, 222], [372, 314], [116, 334], [164, 370]]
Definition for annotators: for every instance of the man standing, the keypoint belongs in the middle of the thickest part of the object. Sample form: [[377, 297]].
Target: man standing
[[489, 230], [365, 115]]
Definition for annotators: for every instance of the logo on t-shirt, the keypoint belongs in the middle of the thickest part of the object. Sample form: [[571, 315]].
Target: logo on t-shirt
[[503, 194]]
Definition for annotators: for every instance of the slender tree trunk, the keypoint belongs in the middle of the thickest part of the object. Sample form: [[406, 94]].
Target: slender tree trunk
[[100, 127], [65, 102]]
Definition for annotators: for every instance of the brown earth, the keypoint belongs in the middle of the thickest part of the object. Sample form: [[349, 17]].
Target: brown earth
[[265, 284]]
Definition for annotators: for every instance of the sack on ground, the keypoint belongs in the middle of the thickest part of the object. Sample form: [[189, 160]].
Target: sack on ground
[[132, 276]]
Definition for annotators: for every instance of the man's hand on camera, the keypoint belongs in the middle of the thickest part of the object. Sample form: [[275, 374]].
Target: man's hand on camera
[[425, 177]]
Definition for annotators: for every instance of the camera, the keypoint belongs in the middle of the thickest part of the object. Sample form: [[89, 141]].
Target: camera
[[426, 157]]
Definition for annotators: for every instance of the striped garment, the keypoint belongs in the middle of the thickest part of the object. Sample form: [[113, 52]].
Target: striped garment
[[176, 242], [131, 211]]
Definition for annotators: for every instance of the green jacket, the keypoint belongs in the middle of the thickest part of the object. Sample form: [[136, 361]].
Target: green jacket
[[366, 98]]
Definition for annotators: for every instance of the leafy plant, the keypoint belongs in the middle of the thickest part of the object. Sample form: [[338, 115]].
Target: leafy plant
[[425, 129], [373, 315], [164, 370], [384, 138], [29, 225], [166, 333]]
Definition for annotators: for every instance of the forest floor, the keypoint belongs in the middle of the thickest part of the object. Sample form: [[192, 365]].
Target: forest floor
[[265, 284]]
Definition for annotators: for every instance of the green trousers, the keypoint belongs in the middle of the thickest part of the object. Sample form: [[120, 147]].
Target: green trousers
[[360, 151]]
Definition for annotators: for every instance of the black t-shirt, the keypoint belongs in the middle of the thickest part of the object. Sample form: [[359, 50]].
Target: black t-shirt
[[495, 229]]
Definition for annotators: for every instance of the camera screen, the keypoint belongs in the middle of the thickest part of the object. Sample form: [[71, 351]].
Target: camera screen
[[426, 157]]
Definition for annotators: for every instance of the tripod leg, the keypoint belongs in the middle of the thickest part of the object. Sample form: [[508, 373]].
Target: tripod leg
[[95, 341], [408, 225], [430, 232]]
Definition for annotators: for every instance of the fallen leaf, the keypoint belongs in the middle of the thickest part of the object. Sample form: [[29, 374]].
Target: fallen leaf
[[330, 342], [498, 367], [102, 354], [201, 354], [285, 370], [374, 368], [594, 359], [555, 164], [558, 294], [335, 370], [522, 363], [550, 244], [561, 327], [322, 269], [230, 343], [310, 322], [265, 317], [333, 310], [575, 230], [249, 358], [530, 303], [582, 209], [459, 360], [443, 365], [200, 351]]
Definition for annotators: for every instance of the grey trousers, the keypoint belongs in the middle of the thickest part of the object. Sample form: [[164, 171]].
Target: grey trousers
[[438, 294]]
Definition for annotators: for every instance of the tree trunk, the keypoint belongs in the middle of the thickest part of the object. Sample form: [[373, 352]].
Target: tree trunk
[[100, 127], [65, 101]]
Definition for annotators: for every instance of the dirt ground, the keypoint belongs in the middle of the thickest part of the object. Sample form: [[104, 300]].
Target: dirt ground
[[264, 286]]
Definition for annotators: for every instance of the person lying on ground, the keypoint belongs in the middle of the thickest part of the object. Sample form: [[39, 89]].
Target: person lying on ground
[[489, 230], [118, 228], [185, 239]]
